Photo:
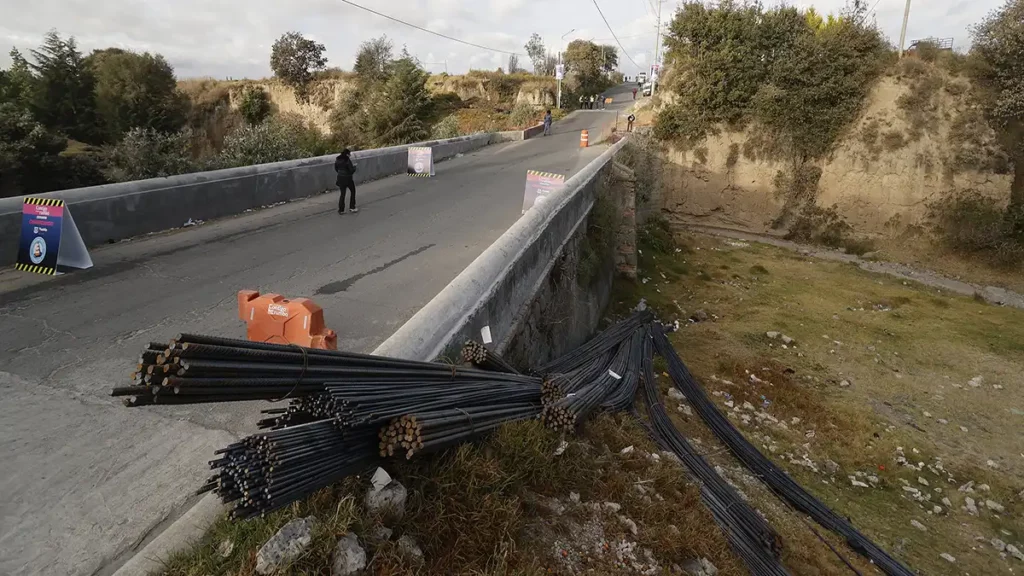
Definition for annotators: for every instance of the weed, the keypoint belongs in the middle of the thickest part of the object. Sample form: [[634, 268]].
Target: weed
[[968, 222], [758, 270], [701, 154], [734, 156], [655, 235], [918, 103], [858, 246], [893, 140]]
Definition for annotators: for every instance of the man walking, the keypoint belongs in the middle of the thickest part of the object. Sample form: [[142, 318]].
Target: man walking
[[634, 93], [629, 122], [346, 171]]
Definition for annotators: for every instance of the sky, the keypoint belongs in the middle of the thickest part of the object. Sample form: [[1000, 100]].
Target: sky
[[232, 38]]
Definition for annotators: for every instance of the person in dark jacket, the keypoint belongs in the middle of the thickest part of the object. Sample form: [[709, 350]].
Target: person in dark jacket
[[346, 171], [547, 123]]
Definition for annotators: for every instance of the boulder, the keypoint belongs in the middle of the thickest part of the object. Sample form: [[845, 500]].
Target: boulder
[[349, 557], [284, 547]]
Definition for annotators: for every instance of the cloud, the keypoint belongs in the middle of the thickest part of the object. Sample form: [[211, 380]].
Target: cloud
[[233, 37]]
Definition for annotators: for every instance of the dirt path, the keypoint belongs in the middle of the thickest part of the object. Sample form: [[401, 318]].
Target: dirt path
[[991, 294]]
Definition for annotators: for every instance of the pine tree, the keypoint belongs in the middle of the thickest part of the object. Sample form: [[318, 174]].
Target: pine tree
[[64, 95]]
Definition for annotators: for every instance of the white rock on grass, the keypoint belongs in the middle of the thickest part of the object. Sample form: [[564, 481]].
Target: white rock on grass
[[998, 544], [922, 481], [288, 544], [685, 409], [970, 506], [389, 499], [626, 450], [409, 550], [994, 506], [225, 548], [1015, 552], [976, 381], [948, 557], [629, 524], [612, 506], [381, 533], [675, 394], [772, 334], [918, 525], [787, 339], [700, 567], [349, 556]]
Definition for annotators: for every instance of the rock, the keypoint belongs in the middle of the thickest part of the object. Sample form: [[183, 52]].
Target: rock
[[771, 334], [918, 525], [673, 529], [927, 414], [936, 509], [562, 447], [225, 548], [947, 503], [670, 456], [969, 487], [992, 464], [628, 523], [380, 479], [685, 409], [700, 567], [408, 548], [574, 497], [288, 544], [612, 506], [787, 340], [748, 406], [381, 533], [970, 506], [976, 381], [700, 316], [948, 557], [942, 421], [963, 428], [1015, 552], [858, 483], [831, 466], [675, 394], [349, 556], [626, 450], [998, 544], [994, 506], [984, 487], [844, 384], [390, 499], [922, 481]]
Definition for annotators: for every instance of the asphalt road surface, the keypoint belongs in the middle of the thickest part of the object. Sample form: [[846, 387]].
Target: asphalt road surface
[[84, 480]]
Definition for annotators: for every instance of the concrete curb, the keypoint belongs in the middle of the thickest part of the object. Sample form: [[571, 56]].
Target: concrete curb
[[182, 533]]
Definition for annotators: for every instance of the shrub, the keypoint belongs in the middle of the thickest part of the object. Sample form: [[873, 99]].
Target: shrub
[[446, 128], [927, 51], [893, 140], [822, 225], [259, 144], [522, 116], [655, 235], [254, 105], [970, 223], [734, 156], [148, 153]]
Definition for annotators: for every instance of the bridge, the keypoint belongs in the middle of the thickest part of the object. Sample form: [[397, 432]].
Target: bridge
[[86, 481]]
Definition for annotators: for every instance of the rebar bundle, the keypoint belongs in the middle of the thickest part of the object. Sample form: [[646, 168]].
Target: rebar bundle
[[763, 468], [482, 357]]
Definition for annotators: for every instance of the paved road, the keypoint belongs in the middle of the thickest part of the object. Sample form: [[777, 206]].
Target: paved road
[[84, 480]]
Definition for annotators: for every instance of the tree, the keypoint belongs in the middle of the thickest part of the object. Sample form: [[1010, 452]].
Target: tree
[[535, 50], [395, 112], [149, 153], [611, 57], [999, 52], [585, 59], [294, 59], [254, 105], [30, 157], [64, 95], [136, 91], [374, 60], [513, 64], [17, 84]]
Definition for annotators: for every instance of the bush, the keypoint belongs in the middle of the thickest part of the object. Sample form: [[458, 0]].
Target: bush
[[254, 105], [446, 128], [927, 51], [259, 144], [655, 235], [148, 153], [822, 225], [970, 223], [522, 116]]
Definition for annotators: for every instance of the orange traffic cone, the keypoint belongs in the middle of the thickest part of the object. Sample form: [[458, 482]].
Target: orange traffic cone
[[584, 139]]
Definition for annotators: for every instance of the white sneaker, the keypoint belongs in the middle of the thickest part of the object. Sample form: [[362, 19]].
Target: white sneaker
[[354, 210]]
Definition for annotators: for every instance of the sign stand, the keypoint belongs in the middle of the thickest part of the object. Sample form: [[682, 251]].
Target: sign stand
[[421, 161], [50, 242], [540, 185]]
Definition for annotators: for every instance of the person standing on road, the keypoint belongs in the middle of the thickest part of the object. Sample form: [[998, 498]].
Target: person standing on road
[[346, 180], [582, 103], [547, 123], [591, 103], [629, 122], [634, 93]]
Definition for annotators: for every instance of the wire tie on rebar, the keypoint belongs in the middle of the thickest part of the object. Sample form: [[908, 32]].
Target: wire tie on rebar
[[305, 365]]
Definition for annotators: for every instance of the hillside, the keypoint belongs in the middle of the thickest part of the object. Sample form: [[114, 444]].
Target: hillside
[[917, 139]]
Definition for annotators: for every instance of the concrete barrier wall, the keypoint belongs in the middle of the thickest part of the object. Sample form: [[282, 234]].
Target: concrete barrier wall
[[114, 212], [496, 289]]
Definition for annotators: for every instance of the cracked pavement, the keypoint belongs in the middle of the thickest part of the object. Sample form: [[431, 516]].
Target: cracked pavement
[[85, 479]]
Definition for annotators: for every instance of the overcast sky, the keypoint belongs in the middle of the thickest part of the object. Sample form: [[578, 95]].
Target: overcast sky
[[232, 38]]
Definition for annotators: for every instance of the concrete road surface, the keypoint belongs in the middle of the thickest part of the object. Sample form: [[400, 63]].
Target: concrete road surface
[[85, 480]]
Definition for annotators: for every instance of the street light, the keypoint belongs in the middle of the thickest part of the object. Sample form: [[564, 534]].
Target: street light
[[558, 101]]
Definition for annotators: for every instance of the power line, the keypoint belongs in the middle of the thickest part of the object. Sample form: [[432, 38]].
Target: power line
[[626, 54], [392, 18]]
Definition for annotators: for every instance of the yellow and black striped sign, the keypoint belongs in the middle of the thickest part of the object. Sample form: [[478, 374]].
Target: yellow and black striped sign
[[44, 201], [544, 174], [35, 269], [419, 175]]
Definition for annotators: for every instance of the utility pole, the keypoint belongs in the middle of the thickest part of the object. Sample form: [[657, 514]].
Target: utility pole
[[657, 46], [903, 32]]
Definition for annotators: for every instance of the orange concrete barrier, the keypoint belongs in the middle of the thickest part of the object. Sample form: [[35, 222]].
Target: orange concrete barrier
[[584, 139], [278, 320]]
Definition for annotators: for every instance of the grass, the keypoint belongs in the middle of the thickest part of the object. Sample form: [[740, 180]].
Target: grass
[[903, 350], [486, 508]]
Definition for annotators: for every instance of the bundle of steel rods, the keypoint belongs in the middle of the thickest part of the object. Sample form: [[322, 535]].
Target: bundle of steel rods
[[763, 468], [480, 356], [748, 532]]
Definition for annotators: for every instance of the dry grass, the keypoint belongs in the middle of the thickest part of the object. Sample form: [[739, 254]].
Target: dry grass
[[904, 350], [923, 252]]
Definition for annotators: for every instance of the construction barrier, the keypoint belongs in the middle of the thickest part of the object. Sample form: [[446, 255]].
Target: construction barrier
[[584, 139]]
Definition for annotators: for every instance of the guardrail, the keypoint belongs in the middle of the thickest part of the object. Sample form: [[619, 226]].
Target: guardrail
[[113, 212], [496, 289]]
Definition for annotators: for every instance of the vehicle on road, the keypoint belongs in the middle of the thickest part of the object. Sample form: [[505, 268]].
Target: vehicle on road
[[648, 87]]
